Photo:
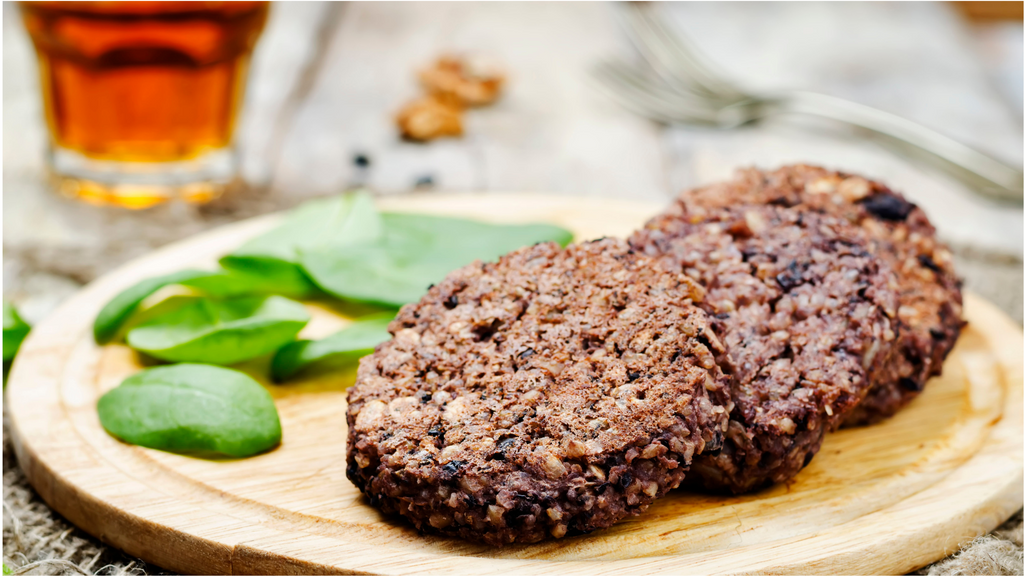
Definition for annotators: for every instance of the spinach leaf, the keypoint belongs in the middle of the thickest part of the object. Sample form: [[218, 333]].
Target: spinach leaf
[[117, 311], [328, 224], [15, 331], [230, 283], [286, 277], [344, 347], [192, 408], [221, 331], [481, 240], [414, 252]]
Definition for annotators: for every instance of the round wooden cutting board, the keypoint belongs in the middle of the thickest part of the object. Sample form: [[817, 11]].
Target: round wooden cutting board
[[883, 499]]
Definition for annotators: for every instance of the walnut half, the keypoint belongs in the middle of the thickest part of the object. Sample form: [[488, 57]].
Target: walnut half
[[429, 118], [470, 82]]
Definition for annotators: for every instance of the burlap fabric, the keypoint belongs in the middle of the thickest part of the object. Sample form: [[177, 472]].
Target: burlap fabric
[[38, 541]]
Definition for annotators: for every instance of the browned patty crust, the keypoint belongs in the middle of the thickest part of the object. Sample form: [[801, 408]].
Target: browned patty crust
[[806, 315], [930, 301], [551, 393]]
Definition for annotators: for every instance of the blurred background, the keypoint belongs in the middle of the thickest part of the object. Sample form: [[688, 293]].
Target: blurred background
[[326, 81]]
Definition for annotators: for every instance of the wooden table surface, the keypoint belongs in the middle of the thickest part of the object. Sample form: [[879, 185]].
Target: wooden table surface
[[327, 79]]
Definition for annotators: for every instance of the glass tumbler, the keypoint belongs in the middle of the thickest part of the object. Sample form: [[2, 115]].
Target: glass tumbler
[[142, 98]]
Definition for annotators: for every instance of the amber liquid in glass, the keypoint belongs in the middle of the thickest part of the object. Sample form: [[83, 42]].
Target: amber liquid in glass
[[141, 98]]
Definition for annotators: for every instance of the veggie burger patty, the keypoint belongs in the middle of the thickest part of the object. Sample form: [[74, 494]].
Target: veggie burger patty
[[553, 392], [930, 302], [807, 316]]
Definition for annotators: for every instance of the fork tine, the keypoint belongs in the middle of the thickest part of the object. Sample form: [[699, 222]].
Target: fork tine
[[616, 92], [658, 55], [673, 57], [625, 73], [647, 99]]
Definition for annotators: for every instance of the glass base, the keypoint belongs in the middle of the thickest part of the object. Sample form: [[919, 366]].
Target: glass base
[[139, 185]]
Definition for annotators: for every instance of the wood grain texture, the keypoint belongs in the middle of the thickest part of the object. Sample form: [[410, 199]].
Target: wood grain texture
[[888, 498]]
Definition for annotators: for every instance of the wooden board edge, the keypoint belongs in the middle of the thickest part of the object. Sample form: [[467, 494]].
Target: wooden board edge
[[49, 483]]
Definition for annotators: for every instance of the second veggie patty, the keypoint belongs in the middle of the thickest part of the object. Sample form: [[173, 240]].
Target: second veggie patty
[[807, 316]]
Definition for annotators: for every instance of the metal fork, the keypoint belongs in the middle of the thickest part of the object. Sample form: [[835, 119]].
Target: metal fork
[[685, 90]]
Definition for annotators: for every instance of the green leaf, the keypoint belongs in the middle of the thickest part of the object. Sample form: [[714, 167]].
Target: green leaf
[[287, 278], [330, 223], [7, 570], [221, 331], [230, 283], [15, 331], [414, 252], [117, 311], [192, 408], [344, 347]]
